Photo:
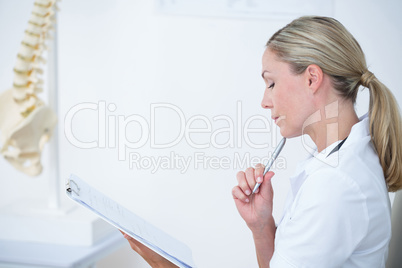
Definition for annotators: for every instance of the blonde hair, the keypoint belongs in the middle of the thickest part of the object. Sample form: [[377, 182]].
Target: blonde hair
[[327, 43]]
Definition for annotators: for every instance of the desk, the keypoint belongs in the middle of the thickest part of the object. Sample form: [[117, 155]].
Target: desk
[[38, 255]]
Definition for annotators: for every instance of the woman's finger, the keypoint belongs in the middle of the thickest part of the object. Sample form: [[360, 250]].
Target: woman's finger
[[133, 243], [153, 258], [238, 193], [243, 182], [251, 178], [259, 174], [266, 184]]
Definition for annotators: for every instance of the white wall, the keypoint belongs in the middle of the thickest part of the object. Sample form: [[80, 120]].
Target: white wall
[[125, 53]]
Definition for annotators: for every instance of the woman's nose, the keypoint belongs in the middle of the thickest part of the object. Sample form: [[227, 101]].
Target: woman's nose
[[266, 102]]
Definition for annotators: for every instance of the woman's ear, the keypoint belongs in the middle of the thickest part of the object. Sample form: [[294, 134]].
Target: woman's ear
[[314, 75]]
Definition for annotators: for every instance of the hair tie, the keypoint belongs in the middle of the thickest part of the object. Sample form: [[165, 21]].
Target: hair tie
[[366, 78]]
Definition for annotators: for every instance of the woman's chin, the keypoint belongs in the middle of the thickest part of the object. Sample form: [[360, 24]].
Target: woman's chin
[[288, 134], [283, 132]]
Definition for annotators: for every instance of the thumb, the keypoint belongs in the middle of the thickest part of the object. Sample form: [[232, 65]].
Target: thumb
[[269, 175], [266, 186]]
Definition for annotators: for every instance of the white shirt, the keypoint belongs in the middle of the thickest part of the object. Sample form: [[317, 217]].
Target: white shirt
[[338, 213]]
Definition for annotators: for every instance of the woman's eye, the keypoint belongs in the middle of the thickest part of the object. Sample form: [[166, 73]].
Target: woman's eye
[[272, 85]]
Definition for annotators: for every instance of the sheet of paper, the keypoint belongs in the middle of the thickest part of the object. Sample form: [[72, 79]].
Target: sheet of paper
[[133, 225]]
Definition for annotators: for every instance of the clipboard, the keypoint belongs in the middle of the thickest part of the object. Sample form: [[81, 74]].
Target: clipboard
[[128, 222]]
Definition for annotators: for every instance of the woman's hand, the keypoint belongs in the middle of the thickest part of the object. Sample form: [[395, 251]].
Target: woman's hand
[[255, 209], [152, 258]]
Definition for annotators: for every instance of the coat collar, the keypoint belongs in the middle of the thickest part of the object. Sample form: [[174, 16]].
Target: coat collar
[[318, 160]]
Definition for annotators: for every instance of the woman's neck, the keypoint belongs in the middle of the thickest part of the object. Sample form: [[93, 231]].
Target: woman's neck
[[336, 122]]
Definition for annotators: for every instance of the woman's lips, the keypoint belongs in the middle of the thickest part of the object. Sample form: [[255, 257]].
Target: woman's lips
[[278, 118]]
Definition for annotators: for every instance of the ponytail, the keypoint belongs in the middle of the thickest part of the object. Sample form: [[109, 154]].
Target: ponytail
[[385, 130]]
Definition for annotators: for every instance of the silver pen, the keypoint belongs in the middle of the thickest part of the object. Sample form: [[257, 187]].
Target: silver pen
[[268, 166]]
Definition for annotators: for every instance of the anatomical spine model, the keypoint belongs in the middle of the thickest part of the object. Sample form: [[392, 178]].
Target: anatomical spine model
[[26, 124]]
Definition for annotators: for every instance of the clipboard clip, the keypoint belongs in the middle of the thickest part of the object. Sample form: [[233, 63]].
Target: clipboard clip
[[71, 189]]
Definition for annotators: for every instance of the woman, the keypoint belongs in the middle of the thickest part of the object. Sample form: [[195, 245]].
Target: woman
[[338, 210]]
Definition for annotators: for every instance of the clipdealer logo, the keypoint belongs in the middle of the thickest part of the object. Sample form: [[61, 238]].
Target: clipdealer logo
[[112, 133]]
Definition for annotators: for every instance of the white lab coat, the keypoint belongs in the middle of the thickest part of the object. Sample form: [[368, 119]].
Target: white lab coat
[[338, 213]]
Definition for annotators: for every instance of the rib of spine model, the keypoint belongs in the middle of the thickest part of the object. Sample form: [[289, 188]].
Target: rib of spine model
[[26, 123]]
